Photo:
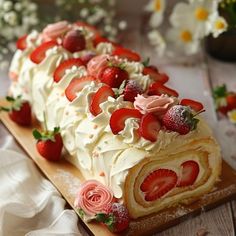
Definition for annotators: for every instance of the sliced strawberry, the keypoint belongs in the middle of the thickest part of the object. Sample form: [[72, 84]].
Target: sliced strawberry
[[21, 43], [65, 65], [155, 75], [99, 97], [88, 26], [158, 183], [126, 53], [39, 53], [149, 127], [77, 85], [196, 106], [158, 88], [190, 171], [99, 39], [118, 118], [114, 76]]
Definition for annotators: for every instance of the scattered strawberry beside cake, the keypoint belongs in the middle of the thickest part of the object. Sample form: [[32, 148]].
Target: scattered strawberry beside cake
[[225, 100], [19, 111], [114, 76], [49, 143], [116, 217], [180, 119], [74, 41]]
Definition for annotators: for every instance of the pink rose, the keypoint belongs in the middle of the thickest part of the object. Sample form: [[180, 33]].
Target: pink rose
[[154, 104], [53, 31], [93, 197], [97, 64]]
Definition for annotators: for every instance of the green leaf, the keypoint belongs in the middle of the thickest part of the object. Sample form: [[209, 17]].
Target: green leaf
[[146, 62], [110, 222], [10, 99], [5, 109], [101, 217], [56, 130], [37, 135], [220, 91], [81, 213]]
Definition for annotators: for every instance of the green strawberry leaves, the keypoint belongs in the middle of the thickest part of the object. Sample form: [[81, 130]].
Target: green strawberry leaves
[[16, 104], [46, 135]]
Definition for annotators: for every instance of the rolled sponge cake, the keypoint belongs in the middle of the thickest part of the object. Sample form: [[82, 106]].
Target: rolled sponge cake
[[145, 175]]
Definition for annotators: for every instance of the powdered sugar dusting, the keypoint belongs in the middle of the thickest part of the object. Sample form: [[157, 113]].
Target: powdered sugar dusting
[[71, 182]]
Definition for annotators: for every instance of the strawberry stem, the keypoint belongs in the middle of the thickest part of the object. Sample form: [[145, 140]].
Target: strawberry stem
[[199, 112], [45, 122]]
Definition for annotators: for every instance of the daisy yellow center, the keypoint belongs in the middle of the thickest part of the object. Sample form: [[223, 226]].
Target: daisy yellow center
[[219, 25], [157, 5], [186, 36], [201, 14]]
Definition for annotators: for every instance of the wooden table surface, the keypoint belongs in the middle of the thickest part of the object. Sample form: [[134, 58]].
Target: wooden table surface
[[222, 220]]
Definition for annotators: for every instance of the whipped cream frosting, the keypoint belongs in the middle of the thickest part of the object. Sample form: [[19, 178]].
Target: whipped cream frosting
[[94, 149]]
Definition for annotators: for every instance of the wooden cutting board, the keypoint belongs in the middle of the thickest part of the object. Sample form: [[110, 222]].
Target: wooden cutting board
[[66, 178]]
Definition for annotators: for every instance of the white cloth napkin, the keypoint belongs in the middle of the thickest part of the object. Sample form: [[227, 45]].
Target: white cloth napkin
[[29, 204]]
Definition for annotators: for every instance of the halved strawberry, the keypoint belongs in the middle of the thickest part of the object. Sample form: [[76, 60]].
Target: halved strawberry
[[190, 171], [126, 53], [155, 75], [21, 43], [99, 39], [40, 52], [158, 88], [99, 97], [67, 64], [195, 105], [77, 85], [118, 118], [88, 26], [149, 127], [158, 183]]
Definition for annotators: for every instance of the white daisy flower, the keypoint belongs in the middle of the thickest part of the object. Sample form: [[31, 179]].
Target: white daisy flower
[[157, 7], [219, 26], [157, 41], [184, 39], [232, 116], [197, 15]]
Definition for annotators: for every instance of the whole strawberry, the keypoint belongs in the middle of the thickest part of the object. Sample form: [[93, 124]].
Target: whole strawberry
[[74, 41], [131, 90], [116, 217], [19, 111], [49, 144], [180, 119], [114, 76]]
